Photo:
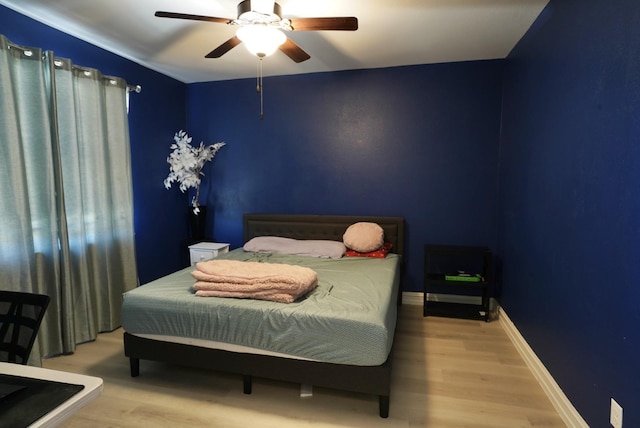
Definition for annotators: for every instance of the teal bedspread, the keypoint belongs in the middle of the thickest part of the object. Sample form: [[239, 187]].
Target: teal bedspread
[[349, 318]]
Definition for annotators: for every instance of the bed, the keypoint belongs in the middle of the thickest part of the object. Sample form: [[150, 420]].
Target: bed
[[294, 352]]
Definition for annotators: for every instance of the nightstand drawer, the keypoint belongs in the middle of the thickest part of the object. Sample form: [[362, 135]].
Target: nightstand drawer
[[206, 251]]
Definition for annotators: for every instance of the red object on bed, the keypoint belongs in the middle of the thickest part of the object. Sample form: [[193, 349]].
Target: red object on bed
[[380, 253]]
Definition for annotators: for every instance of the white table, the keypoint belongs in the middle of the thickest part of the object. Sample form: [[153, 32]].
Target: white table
[[204, 251], [92, 389]]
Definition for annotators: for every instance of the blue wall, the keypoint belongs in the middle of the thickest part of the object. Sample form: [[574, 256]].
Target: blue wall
[[418, 142], [155, 115], [570, 200]]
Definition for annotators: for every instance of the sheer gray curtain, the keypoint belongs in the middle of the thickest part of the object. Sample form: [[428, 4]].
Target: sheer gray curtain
[[66, 206]]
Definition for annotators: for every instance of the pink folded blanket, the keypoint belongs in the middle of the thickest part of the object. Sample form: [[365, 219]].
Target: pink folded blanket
[[266, 281]]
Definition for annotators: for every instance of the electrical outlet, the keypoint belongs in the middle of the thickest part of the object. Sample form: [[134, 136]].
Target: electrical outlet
[[616, 414]]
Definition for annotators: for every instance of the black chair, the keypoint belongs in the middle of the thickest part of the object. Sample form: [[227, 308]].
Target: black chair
[[20, 318]]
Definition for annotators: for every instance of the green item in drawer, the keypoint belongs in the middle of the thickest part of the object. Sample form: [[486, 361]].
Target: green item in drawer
[[462, 276]]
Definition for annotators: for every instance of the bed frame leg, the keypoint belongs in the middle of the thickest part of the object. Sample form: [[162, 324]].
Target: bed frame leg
[[134, 365], [246, 381], [384, 406]]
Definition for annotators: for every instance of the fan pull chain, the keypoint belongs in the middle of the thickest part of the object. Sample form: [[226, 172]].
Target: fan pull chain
[[259, 87]]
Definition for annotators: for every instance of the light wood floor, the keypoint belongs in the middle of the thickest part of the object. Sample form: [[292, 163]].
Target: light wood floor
[[446, 373]]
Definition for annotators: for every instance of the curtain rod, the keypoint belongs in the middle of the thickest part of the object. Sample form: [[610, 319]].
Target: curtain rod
[[134, 88]]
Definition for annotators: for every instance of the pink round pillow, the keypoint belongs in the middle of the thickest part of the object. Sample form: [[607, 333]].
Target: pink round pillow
[[364, 237]]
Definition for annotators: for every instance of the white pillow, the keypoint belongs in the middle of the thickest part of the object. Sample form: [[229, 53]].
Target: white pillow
[[301, 247], [364, 237]]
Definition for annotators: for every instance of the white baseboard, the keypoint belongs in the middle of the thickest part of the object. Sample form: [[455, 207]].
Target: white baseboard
[[567, 412], [412, 298], [560, 402]]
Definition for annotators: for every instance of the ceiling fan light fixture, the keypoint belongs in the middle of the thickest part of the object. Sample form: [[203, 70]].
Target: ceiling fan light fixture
[[259, 10], [261, 40], [262, 6]]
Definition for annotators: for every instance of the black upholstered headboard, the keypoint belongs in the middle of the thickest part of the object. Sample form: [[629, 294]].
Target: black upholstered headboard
[[330, 227]]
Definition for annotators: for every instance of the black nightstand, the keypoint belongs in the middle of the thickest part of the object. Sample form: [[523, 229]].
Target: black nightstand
[[457, 270]]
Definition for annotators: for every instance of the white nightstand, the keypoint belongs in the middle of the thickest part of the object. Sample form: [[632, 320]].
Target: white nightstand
[[203, 251]]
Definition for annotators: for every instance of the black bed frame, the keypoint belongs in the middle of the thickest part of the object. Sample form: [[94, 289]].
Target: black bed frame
[[374, 380]]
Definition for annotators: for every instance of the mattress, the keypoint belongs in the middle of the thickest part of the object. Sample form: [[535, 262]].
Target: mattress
[[348, 319]]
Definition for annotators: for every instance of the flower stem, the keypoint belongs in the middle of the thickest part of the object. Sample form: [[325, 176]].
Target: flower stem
[[197, 197]]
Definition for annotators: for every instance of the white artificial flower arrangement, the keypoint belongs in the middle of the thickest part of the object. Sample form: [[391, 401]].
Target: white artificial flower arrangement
[[186, 162]]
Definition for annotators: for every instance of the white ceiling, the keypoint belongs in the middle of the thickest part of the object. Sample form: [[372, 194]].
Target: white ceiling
[[390, 33]]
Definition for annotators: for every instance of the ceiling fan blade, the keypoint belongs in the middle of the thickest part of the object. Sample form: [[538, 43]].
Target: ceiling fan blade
[[345, 23], [294, 51], [162, 14], [224, 48]]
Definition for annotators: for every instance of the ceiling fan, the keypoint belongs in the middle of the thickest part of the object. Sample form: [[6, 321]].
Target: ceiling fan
[[261, 25]]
